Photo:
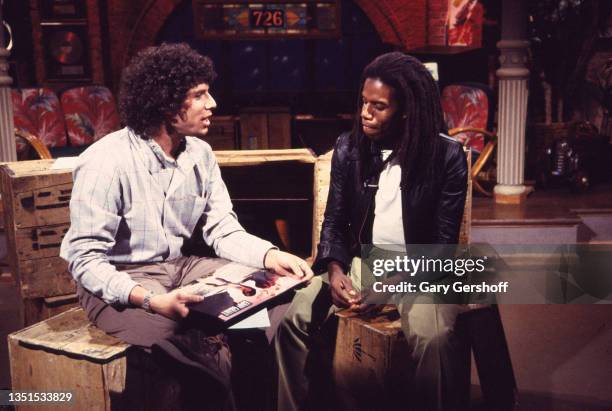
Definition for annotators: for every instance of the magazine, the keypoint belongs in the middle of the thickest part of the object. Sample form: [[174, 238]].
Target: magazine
[[234, 290]]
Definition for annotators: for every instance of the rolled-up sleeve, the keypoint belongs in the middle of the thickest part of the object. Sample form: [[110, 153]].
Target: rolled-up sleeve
[[95, 216], [221, 228]]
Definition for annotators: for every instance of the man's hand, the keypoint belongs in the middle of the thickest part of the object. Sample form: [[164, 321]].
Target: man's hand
[[174, 304], [287, 264], [342, 292]]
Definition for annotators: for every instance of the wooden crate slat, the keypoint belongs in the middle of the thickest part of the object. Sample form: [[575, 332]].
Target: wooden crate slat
[[30, 371], [44, 206], [40, 242], [95, 344], [71, 332], [255, 157], [321, 182], [35, 180], [45, 277]]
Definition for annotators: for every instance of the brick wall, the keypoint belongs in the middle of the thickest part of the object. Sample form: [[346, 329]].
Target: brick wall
[[436, 22], [133, 25], [406, 24]]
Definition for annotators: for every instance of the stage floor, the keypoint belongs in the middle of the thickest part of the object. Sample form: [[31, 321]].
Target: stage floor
[[547, 217]]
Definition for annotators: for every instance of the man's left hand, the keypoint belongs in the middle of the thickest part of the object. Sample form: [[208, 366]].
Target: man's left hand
[[287, 264]]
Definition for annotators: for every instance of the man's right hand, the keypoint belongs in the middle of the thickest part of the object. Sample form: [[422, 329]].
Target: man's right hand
[[174, 304], [342, 292]]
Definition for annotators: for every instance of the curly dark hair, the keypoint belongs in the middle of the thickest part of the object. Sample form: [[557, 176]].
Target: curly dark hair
[[419, 114], [155, 85]]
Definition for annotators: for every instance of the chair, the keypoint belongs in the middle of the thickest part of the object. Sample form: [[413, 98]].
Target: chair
[[90, 113], [38, 120], [38, 146], [468, 111]]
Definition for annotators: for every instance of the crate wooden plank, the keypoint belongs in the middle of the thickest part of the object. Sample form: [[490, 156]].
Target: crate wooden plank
[[321, 183], [256, 157], [9, 220], [39, 370], [279, 130], [45, 277], [466, 222], [371, 360], [20, 168], [39, 309], [222, 133], [253, 131], [71, 332], [40, 242], [45, 205]]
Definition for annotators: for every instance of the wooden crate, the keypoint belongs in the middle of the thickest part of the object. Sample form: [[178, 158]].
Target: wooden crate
[[68, 353], [265, 128], [37, 309], [371, 360], [372, 366], [321, 190], [36, 218], [223, 133]]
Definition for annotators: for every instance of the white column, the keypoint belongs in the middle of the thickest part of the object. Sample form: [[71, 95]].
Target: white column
[[512, 110], [512, 104]]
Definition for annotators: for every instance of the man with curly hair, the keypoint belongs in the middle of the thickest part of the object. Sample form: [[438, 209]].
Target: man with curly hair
[[138, 195]]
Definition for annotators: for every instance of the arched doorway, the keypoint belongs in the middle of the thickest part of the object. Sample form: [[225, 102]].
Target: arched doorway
[[314, 76]]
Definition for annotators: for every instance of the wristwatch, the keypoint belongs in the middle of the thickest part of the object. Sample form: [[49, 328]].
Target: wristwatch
[[146, 302]]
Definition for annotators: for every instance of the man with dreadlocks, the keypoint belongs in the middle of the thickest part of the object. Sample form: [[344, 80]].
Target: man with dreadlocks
[[395, 179]]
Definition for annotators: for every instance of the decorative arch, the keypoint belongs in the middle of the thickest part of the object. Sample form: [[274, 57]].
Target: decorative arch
[[401, 23]]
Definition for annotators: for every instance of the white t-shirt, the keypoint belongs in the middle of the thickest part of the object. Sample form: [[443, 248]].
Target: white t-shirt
[[388, 223]]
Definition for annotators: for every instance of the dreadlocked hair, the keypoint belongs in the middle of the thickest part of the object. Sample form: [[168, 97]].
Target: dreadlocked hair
[[417, 148]]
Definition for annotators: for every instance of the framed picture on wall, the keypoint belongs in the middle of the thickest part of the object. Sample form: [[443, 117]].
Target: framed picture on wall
[[66, 52], [62, 9]]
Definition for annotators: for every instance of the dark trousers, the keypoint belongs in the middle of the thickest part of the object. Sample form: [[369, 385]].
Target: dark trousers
[[196, 352]]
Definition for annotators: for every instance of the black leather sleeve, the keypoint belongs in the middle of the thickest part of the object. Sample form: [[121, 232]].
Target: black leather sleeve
[[334, 242], [449, 210]]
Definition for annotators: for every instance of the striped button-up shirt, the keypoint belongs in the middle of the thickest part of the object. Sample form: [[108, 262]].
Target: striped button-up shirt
[[133, 204]]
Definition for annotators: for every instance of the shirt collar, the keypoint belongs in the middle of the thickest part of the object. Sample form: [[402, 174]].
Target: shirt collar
[[164, 160], [154, 157]]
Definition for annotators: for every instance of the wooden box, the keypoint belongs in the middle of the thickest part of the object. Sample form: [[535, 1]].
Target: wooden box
[[36, 217], [371, 360], [68, 353], [223, 133], [265, 128]]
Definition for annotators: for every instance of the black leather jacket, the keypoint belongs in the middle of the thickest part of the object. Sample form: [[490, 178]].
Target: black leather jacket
[[431, 211]]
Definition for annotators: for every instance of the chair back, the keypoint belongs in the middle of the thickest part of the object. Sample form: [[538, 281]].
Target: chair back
[[322, 171], [468, 105], [37, 111], [90, 113]]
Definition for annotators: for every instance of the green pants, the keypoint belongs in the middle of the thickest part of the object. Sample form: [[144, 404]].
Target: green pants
[[440, 358]]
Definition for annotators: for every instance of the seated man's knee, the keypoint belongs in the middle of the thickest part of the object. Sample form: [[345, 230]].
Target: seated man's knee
[[427, 325], [298, 318]]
